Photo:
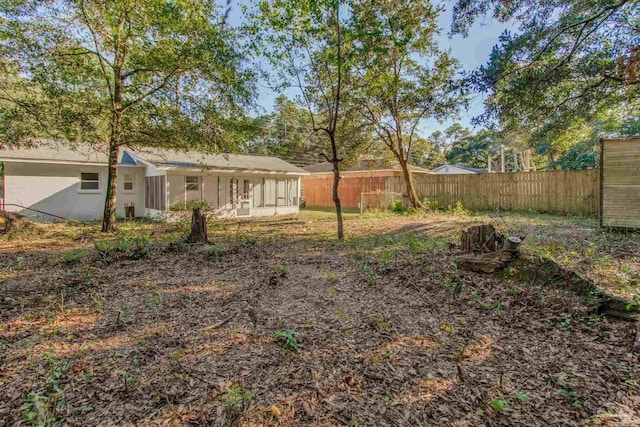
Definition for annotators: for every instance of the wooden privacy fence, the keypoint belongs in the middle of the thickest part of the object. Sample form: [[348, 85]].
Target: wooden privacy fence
[[562, 191], [620, 166], [317, 190]]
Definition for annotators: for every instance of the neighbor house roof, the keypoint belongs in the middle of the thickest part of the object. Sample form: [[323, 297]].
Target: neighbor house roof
[[459, 166], [57, 152], [193, 159], [327, 167]]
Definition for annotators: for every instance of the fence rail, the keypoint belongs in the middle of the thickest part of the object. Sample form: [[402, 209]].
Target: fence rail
[[561, 191]]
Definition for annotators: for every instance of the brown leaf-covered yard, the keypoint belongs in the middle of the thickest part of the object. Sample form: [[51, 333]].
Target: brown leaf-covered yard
[[383, 328]]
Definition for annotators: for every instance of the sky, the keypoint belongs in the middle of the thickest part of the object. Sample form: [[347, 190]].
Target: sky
[[472, 51]]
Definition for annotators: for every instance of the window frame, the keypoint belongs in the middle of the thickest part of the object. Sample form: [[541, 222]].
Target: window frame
[[89, 190], [125, 182], [187, 183]]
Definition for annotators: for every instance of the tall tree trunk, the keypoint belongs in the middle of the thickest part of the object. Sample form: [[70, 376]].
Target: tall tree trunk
[[109, 215], [336, 181], [408, 181], [115, 140], [550, 159]]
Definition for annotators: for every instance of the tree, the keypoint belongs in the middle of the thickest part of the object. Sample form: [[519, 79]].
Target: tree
[[403, 76], [285, 133], [126, 72], [579, 147], [472, 149], [570, 60], [426, 153], [307, 45]]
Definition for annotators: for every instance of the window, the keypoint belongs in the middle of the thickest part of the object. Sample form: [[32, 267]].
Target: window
[[257, 192], [193, 183], [269, 192], [128, 182], [293, 192], [246, 189], [90, 181], [281, 191], [156, 193]]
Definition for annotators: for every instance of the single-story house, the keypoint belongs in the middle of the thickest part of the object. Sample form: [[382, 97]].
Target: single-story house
[[317, 187], [71, 182], [455, 169]]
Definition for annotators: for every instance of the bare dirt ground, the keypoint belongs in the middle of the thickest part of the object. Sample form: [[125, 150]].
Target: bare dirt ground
[[387, 330]]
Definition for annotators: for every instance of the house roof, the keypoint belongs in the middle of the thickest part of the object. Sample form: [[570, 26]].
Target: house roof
[[57, 152], [327, 167], [193, 159], [459, 166]]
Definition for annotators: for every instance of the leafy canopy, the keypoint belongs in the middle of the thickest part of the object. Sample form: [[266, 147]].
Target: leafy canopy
[[569, 60], [175, 65]]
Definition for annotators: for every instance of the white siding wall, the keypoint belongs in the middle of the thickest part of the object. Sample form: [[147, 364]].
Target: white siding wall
[[54, 188], [136, 196]]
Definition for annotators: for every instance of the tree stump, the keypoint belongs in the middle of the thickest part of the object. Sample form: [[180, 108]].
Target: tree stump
[[488, 263], [479, 238], [512, 244], [494, 261], [198, 227]]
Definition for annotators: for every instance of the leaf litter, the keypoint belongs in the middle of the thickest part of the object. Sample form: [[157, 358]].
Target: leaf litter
[[388, 332]]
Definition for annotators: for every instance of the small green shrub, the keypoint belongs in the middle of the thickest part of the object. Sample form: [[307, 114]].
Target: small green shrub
[[566, 325], [332, 277], [177, 245], [287, 339], [139, 247], [126, 247], [37, 410], [431, 205], [499, 405], [234, 401], [368, 272], [214, 251], [155, 299], [72, 257], [397, 207], [458, 210], [46, 406], [281, 270], [105, 250]]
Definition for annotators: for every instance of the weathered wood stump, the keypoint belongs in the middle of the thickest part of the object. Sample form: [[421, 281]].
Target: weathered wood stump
[[494, 261], [479, 238], [512, 244], [198, 227]]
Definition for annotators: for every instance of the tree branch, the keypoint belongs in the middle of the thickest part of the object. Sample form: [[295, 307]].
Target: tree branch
[[101, 60]]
